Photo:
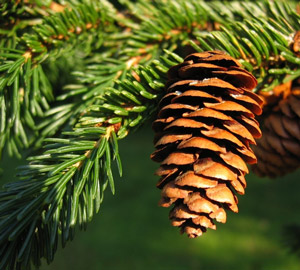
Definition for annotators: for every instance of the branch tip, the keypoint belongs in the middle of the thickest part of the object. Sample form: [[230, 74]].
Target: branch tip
[[56, 7], [27, 55], [109, 130], [133, 61]]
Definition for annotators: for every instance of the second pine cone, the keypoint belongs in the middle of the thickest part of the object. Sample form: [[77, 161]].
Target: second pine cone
[[278, 151]]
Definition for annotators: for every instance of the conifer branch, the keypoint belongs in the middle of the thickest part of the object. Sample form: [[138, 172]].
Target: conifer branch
[[145, 41], [117, 89], [141, 33], [25, 91], [64, 186], [17, 16], [264, 47], [171, 24]]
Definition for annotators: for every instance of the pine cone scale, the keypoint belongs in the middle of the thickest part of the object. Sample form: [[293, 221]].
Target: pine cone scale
[[294, 103], [291, 127], [235, 161], [171, 138], [209, 168], [191, 179], [208, 113], [221, 135], [201, 143], [251, 124], [238, 129]]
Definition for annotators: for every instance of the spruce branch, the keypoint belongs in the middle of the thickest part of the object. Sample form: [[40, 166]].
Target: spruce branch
[[17, 16], [157, 29], [25, 91], [62, 32], [64, 185], [149, 27], [100, 74], [116, 91], [169, 24], [71, 172], [264, 46]]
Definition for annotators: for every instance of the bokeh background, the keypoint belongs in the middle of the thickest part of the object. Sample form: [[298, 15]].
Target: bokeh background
[[132, 232]]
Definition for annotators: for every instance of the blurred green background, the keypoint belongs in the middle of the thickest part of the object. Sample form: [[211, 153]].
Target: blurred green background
[[132, 232]]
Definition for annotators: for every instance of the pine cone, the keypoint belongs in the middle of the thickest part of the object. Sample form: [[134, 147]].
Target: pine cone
[[204, 128], [278, 151]]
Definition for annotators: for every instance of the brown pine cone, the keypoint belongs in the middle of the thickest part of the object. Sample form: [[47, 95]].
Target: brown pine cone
[[204, 128], [278, 151]]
